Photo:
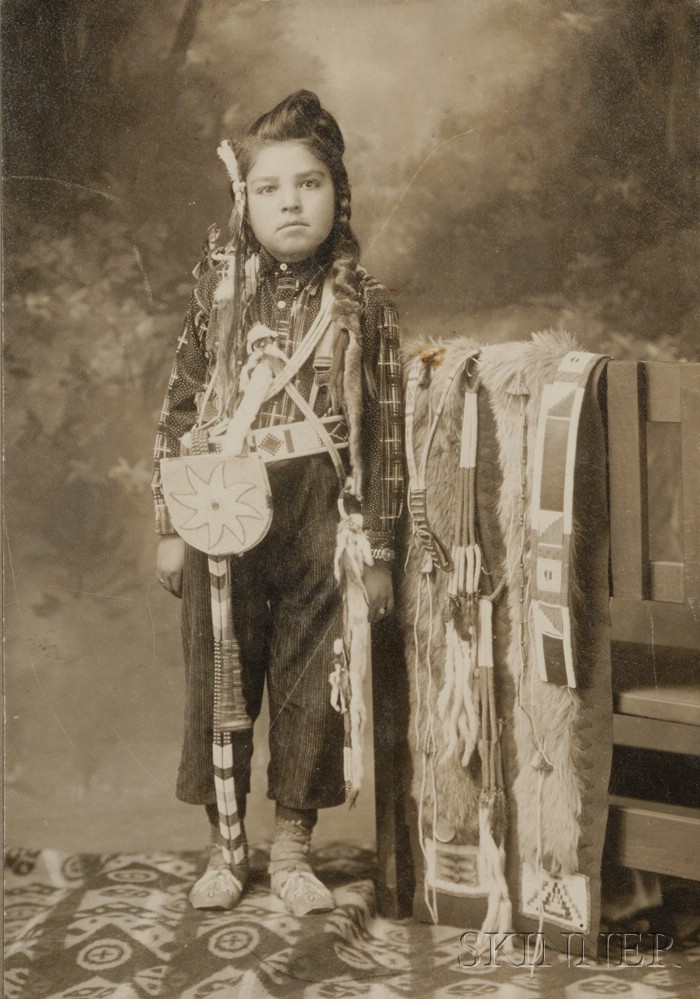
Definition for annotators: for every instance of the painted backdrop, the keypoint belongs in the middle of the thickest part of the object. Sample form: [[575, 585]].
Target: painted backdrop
[[515, 166]]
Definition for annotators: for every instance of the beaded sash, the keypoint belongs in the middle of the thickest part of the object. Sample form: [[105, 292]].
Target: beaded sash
[[552, 515]]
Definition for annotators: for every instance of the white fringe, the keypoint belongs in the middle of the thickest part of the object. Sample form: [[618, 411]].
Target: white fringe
[[456, 703], [491, 866], [353, 552]]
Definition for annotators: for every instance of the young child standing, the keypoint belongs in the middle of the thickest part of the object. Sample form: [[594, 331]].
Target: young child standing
[[296, 249]]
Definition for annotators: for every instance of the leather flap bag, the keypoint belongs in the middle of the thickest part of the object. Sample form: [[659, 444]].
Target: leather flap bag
[[219, 504]]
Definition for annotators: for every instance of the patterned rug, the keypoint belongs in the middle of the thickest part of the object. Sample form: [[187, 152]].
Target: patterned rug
[[116, 925]]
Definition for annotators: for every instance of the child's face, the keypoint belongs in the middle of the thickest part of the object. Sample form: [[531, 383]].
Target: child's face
[[291, 200]]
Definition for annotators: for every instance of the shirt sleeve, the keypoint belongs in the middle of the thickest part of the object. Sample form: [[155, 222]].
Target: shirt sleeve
[[179, 412], [382, 421]]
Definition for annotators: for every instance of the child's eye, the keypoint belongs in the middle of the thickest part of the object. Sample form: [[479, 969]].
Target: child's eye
[[310, 183], [265, 189]]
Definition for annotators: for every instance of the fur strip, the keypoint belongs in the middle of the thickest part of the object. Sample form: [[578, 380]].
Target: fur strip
[[424, 609], [352, 392], [547, 712], [491, 865]]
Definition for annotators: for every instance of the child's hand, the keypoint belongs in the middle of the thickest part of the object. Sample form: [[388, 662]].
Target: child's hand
[[169, 561], [380, 591]]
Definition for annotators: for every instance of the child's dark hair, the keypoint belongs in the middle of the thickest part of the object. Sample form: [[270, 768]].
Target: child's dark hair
[[300, 117]]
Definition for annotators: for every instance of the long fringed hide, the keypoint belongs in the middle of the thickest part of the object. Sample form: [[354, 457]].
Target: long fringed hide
[[452, 584], [353, 650], [506, 783]]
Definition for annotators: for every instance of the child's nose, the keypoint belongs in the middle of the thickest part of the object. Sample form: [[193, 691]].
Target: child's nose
[[290, 198]]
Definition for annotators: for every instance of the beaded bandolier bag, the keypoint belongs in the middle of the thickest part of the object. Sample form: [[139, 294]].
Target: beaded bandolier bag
[[504, 611]]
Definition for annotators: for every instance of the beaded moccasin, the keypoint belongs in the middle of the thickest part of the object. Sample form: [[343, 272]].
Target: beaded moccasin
[[219, 887]]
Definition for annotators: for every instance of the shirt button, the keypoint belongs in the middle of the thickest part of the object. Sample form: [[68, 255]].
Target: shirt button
[[281, 305]]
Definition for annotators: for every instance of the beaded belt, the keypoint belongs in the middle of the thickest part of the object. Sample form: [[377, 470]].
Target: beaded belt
[[293, 440], [289, 440]]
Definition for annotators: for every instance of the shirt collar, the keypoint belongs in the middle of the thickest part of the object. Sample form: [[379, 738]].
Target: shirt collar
[[309, 271]]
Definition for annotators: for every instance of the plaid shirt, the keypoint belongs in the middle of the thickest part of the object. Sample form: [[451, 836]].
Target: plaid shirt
[[288, 300]]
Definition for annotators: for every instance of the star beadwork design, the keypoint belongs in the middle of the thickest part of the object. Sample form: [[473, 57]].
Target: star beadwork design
[[217, 506]]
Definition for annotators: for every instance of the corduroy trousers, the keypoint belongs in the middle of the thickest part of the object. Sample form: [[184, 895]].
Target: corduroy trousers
[[287, 614]]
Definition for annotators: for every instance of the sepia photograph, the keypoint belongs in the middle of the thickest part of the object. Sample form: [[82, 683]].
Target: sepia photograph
[[351, 498]]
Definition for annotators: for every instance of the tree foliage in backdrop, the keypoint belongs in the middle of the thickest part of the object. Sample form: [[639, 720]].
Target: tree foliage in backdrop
[[565, 195]]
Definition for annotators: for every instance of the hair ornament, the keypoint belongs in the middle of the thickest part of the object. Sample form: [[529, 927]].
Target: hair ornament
[[228, 157], [233, 289]]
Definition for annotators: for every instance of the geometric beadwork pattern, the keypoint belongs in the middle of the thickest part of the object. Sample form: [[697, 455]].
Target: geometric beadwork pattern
[[453, 869], [270, 443], [552, 516], [564, 901], [229, 707]]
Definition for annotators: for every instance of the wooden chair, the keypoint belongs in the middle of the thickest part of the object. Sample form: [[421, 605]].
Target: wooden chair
[[654, 471]]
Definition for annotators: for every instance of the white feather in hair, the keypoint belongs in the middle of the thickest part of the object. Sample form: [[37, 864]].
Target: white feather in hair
[[228, 157]]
